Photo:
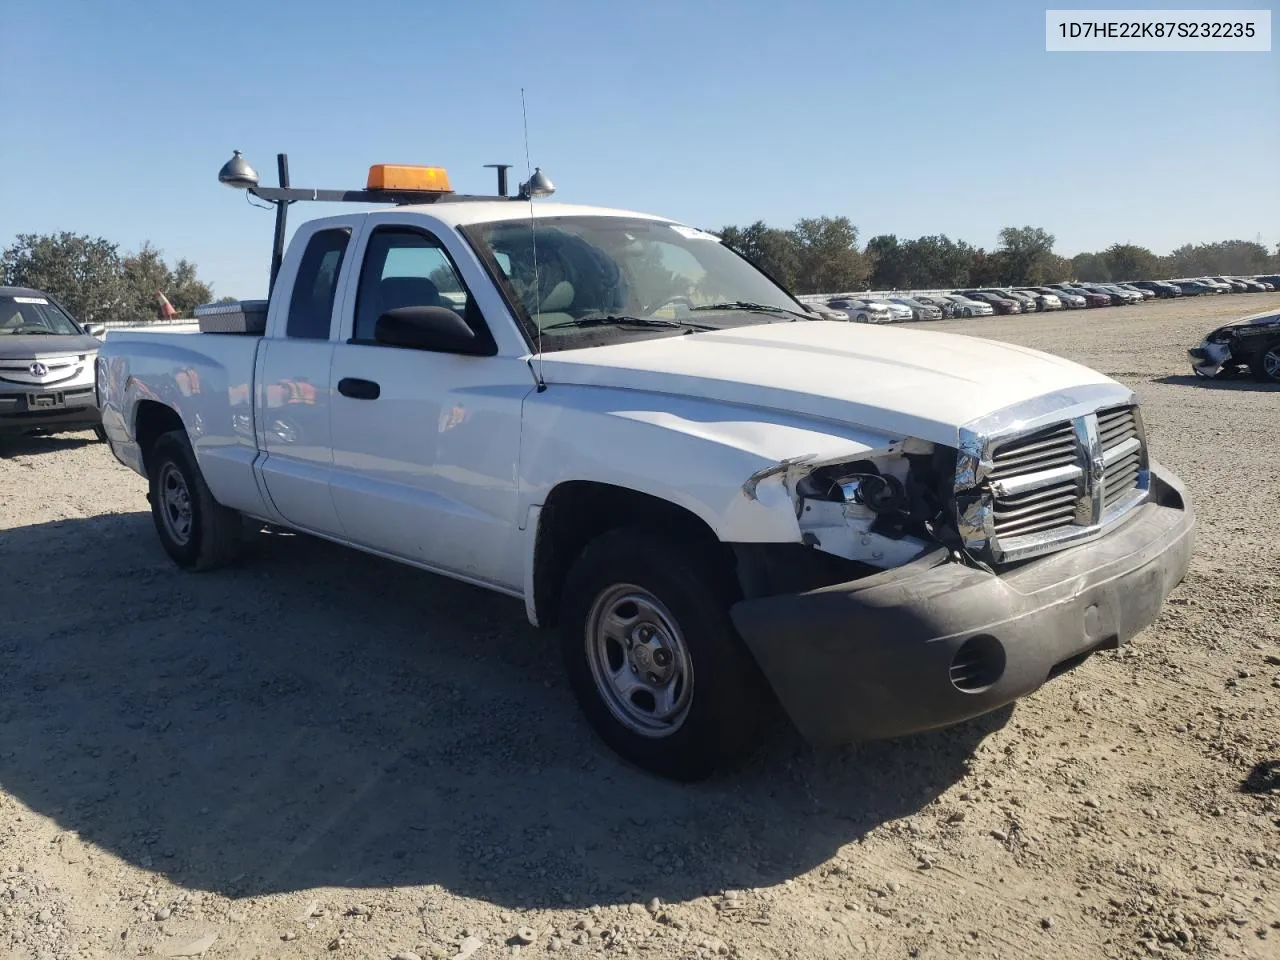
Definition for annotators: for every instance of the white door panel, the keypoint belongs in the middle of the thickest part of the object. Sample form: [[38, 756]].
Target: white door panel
[[427, 470], [424, 465], [293, 422], [293, 396]]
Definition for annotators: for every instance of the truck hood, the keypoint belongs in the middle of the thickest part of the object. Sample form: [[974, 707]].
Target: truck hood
[[35, 346], [907, 383]]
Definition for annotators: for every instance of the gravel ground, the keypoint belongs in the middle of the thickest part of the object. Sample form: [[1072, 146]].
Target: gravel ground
[[323, 754]]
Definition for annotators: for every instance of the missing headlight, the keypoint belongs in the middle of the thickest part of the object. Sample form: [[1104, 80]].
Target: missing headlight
[[882, 510]]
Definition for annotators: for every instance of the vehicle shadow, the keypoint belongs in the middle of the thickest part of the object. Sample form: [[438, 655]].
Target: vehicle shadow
[[25, 445], [1264, 777], [1227, 383], [316, 717]]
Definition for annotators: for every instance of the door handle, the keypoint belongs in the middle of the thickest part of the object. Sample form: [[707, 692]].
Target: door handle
[[358, 389]]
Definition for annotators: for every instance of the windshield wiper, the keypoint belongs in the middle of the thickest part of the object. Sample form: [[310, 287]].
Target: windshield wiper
[[615, 320], [753, 307]]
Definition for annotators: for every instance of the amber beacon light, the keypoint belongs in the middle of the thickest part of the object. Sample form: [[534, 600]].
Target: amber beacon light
[[399, 176]]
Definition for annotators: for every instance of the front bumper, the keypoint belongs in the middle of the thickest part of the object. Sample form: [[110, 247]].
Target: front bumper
[[1209, 359], [876, 657], [78, 411]]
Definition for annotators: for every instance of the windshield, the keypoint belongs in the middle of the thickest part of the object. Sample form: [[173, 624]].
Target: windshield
[[34, 315], [623, 269]]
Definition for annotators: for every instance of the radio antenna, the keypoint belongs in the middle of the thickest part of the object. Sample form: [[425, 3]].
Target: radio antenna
[[533, 233]]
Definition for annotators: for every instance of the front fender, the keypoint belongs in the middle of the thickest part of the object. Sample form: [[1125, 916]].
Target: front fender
[[722, 462]]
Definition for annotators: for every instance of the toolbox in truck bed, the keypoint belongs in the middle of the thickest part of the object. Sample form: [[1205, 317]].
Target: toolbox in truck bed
[[241, 316]]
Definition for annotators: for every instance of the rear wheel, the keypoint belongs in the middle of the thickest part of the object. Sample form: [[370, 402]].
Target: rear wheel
[[100, 433], [1266, 365], [653, 658], [196, 531]]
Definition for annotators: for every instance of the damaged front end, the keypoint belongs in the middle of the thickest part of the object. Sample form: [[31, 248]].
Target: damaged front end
[[878, 510], [933, 584], [1213, 356]]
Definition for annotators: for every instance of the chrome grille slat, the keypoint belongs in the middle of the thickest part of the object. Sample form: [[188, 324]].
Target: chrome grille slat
[[1121, 474], [1039, 525], [1039, 499], [1057, 437], [1034, 463]]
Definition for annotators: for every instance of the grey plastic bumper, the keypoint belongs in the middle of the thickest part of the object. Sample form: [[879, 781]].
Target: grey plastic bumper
[[80, 411], [874, 658]]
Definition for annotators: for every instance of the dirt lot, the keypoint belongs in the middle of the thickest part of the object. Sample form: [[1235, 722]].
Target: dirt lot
[[322, 754]]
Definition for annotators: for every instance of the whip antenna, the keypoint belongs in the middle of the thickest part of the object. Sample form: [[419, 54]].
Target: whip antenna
[[533, 232]]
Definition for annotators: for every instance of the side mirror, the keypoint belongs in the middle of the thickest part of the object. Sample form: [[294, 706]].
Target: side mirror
[[437, 329], [94, 329]]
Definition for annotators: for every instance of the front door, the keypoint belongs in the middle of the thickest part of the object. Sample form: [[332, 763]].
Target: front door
[[425, 444]]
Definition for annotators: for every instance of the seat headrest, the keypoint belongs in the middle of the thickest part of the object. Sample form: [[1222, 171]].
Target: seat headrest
[[395, 292], [559, 297]]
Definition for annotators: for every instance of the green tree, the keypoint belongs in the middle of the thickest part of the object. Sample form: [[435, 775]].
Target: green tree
[[1124, 261], [1023, 251], [82, 273], [1090, 267], [829, 260], [145, 276], [772, 250], [987, 269], [888, 261], [186, 291], [936, 261], [95, 282]]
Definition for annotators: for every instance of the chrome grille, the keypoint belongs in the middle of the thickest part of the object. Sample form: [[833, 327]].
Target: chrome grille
[[41, 371], [1059, 484]]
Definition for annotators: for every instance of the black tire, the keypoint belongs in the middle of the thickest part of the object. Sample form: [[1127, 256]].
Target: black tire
[[1260, 363], [727, 694], [100, 433], [212, 532]]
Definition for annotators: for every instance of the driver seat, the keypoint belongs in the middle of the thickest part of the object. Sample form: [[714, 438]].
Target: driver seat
[[555, 305]]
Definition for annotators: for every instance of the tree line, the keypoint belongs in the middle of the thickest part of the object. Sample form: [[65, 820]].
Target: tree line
[[96, 282], [822, 255]]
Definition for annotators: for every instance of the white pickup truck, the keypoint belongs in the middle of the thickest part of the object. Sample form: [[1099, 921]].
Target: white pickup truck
[[721, 500]]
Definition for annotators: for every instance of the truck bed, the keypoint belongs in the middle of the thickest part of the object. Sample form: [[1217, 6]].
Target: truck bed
[[207, 378]]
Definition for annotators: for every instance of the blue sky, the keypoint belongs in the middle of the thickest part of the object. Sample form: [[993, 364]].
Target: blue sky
[[907, 117]]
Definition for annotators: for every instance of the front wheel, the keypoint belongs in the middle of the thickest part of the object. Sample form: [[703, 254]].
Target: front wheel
[[196, 531], [1266, 365], [653, 658]]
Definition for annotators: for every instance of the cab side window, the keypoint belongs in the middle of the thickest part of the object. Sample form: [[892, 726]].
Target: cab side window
[[311, 306], [406, 268]]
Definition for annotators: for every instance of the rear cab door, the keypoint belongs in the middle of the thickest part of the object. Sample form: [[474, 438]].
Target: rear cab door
[[292, 391]]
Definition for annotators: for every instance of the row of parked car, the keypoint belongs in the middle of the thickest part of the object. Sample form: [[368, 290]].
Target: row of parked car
[[984, 302]]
